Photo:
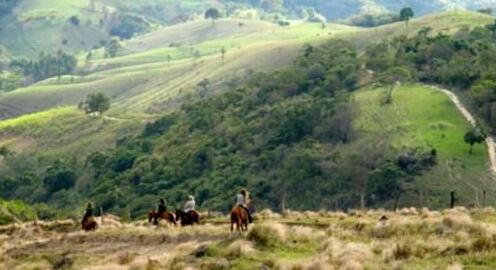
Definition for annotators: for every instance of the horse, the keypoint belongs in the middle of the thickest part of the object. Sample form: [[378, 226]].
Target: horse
[[189, 218], [239, 216], [153, 216], [89, 224]]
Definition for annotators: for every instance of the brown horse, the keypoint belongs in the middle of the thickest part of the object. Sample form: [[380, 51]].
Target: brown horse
[[89, 224], [189, 218], [153, 216], [239, 216]]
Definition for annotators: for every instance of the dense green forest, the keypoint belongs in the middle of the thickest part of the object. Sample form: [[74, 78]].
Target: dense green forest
[[289, 136], [277, 134]]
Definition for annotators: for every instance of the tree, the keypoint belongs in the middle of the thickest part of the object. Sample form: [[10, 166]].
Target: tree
[[492, 27], [212, 13], [474, 136], [95, 104], [127, 25], [59, 177], [112, 48], [223, 53], [74, 20], [487, 11], [203, 88], [406, 14], [391, 78]]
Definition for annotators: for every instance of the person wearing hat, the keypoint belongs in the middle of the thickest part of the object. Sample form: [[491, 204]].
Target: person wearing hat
[[190, 204], [242, 200]]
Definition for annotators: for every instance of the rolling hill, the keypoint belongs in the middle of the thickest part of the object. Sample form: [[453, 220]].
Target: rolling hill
[[144, 83]]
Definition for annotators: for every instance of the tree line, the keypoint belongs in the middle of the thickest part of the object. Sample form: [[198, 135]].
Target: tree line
[[278, 134]]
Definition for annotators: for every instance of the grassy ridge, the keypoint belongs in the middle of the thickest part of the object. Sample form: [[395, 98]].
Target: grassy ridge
[[62, 132], [141, 80], [38, 25], [137, 81]]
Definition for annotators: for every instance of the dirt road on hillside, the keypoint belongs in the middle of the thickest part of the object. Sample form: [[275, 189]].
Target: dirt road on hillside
[[470, 118]]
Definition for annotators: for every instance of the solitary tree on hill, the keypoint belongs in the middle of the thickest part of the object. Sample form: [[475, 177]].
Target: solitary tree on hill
[[203, 88], [474, 136], [392, 78], [212, 14], [223, 53], [112, 47], [406, 14], [95, 104]]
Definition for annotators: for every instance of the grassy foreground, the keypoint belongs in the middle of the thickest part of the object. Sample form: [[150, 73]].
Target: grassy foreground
[[409, 239]]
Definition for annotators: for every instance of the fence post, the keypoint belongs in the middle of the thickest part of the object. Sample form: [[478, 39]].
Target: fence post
[[396, 202], [421, 199], [452, 199], [101, 215], [483, 198]]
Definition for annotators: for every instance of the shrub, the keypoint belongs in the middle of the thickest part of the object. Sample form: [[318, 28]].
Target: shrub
[[353, 256], [74, 20], [483, 243], [402, 251], [125, 258], [238, 249], [268, 234]]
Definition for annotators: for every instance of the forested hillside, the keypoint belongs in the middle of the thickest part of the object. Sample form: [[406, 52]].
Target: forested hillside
[[305, 114]]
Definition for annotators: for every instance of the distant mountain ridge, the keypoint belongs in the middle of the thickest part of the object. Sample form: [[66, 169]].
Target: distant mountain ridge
[[340, 9]]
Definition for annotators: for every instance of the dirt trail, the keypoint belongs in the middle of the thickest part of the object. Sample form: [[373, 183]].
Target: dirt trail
[[491, 146]]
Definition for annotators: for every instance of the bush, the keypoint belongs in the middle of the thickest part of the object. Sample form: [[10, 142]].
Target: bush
[[58, 178], [128, 25], [12, 211], [267, 234], [74, 20]]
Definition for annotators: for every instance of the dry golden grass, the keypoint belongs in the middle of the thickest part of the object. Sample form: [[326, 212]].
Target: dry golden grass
[[408, 239]]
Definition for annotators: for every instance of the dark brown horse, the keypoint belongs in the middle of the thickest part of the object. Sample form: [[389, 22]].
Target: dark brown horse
[[239, 216], [189, 218], [154, 217], [89, 224]]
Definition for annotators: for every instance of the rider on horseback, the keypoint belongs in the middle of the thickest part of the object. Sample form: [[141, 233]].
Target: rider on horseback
[[88, 213], [242, 200], [190, 204], [162, 207]]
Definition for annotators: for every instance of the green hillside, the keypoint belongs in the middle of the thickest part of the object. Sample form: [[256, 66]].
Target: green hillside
[[33, 26], [422, 117], [142, 79], [143, 82], [250, 129], [43, 25]]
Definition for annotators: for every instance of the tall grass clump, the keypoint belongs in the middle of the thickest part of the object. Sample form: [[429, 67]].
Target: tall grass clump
[[267, 234]]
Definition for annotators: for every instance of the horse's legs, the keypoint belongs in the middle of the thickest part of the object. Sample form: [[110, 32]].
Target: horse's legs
[[232, 226]]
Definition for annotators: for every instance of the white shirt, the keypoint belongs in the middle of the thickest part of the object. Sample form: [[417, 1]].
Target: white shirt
[[240, 200], [189, 206]]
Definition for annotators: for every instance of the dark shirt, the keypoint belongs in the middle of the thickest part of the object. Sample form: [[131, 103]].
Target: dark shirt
[[162, 208], [89, 212]]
